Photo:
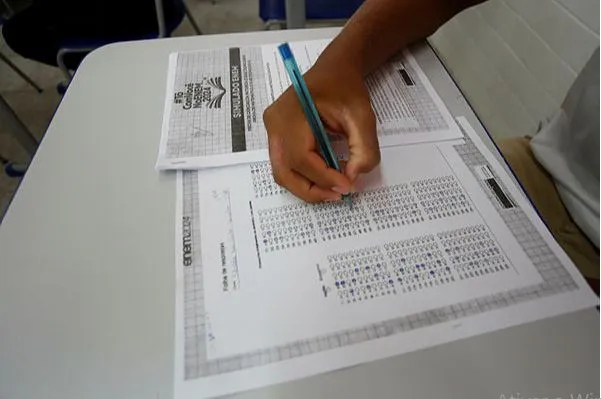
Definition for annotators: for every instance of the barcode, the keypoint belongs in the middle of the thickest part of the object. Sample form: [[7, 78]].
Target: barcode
[[406, 77], [496, 189]]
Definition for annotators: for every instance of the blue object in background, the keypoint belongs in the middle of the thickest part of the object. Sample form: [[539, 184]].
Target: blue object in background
[[275, 10], [12, 169], [15, 170]]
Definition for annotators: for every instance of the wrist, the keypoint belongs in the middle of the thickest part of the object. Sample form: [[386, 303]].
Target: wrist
[[343, 54]]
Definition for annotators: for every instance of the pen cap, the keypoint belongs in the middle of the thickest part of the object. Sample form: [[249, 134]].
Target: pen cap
[[285, 51]]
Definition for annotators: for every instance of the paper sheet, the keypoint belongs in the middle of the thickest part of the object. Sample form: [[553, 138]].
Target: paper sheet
[[441, 250], [216, 98]]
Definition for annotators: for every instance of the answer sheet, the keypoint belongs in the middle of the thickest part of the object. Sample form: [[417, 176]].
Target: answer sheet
[[438, 245], [215, 101]]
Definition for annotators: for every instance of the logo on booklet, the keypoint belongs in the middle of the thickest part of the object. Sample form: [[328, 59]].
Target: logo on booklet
[[208, 93]]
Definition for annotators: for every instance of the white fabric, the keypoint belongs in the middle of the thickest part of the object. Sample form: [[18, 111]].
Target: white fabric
[[568, 148]]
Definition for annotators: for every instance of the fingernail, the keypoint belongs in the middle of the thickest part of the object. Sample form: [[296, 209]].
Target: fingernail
[[350, 173], [340, 190]]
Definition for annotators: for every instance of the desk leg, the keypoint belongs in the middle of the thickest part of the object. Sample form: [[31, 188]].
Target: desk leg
[[295, 14], [17, 128]]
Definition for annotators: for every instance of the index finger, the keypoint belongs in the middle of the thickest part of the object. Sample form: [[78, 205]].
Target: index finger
[[303, 188], [314, 169]]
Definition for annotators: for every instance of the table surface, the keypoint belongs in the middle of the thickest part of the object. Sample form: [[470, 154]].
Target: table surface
[[87, 258]]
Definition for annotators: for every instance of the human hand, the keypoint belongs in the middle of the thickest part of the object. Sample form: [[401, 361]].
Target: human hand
[[342, 101]]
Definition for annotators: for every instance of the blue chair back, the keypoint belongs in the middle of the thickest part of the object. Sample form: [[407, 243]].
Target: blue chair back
[[314, 9]]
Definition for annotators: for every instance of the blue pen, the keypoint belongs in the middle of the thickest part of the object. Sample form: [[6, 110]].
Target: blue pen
[[319, 132]]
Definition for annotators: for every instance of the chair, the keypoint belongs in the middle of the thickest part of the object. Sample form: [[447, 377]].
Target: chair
[[273, 12], [15, 68], [165, 28], [15, 126]]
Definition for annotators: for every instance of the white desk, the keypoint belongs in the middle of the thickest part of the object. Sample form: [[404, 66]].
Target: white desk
[[87, 263]]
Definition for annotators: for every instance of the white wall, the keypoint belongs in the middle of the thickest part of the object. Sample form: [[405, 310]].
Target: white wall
[[516, 59]]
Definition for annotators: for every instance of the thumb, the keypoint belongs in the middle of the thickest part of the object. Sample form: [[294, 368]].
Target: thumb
[[359, 125]]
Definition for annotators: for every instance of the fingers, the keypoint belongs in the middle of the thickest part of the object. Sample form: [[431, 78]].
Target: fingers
[[300, 169], [296, 163], [302, 187], [314, 169], [359, 123]]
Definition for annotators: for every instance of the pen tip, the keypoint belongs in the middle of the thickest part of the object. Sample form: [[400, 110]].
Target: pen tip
[[347, 199]]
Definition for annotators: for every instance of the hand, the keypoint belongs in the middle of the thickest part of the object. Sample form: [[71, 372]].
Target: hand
[[342, 101]]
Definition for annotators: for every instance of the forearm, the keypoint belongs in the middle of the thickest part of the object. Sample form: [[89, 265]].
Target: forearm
[[380, 28]]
